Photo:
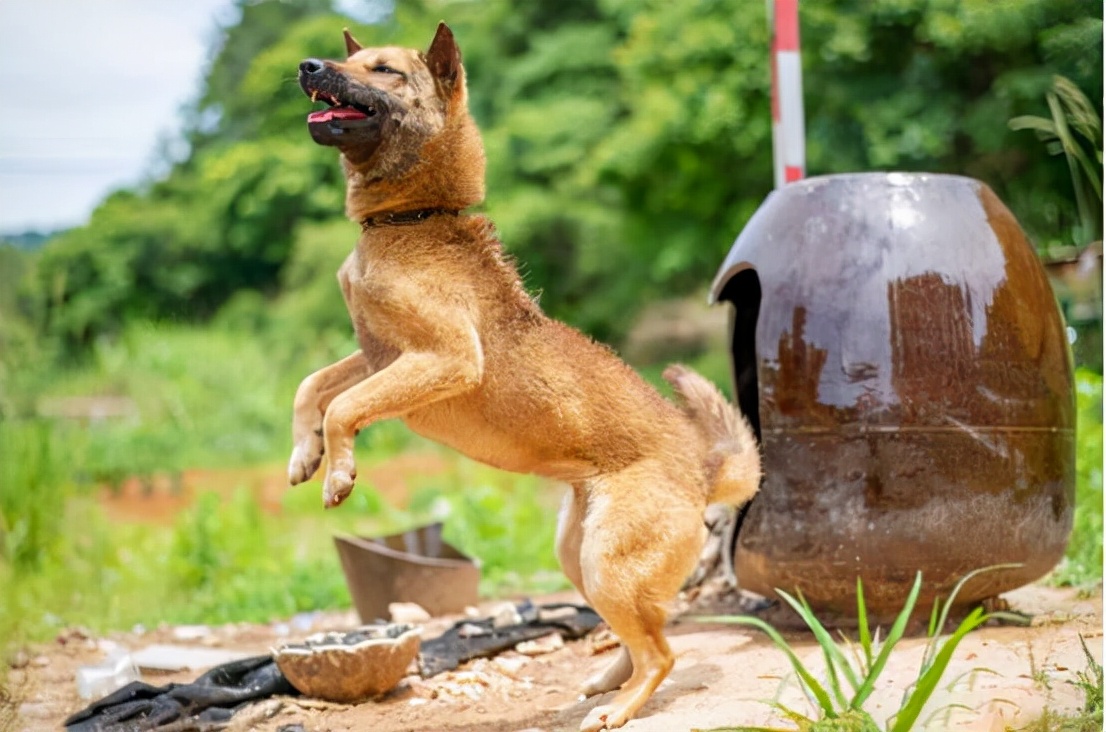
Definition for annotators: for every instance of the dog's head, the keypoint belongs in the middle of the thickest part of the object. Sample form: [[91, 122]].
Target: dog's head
[[400, 119]]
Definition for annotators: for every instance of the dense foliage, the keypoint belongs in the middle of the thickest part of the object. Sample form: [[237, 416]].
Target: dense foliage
[[628, 142]]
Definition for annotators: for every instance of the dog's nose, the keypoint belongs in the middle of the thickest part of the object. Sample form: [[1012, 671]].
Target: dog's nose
[[311, 66]]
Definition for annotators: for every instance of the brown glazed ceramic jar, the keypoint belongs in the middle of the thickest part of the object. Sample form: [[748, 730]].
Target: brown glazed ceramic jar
[[898, 349]]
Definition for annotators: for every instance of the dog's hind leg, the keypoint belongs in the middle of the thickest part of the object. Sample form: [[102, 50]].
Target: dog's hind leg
[[650, 660], [636, 550], [570, 531], [314, 395]]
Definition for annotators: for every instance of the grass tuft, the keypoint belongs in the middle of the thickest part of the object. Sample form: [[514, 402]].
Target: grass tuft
[[839, 704]]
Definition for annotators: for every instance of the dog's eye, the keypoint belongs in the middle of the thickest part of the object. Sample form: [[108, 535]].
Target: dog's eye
[[382, 69]]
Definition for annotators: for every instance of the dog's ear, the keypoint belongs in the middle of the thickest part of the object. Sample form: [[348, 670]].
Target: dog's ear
[[352, 46], [443, 58]]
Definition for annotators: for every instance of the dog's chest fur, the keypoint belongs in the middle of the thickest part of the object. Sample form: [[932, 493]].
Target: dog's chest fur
[[425, 286]]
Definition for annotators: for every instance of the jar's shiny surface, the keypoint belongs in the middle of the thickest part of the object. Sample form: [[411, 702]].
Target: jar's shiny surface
[[915, 392]]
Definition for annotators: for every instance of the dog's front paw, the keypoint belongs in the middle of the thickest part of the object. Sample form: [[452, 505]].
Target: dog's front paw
[[307, 455], [607, 716], [337, 487]]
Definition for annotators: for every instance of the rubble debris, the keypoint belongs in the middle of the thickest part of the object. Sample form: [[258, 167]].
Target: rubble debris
[[211, 700], [191, 632], [115, 671], [510, 664], [469, 639], [541, 646], [407, 613], [602, 641], [506, 614], [169, 657]]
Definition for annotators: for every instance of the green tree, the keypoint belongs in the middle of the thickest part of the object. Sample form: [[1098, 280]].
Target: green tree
[[223, 113], [628, 141], [928, 85]]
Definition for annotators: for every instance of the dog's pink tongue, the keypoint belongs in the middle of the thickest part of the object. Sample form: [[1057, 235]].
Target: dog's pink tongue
[[327, 115]]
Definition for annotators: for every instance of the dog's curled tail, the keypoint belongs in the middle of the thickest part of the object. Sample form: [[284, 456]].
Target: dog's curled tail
[[733, 458]]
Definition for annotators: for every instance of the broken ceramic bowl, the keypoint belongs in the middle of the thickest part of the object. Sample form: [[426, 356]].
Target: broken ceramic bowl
[[349, 667]]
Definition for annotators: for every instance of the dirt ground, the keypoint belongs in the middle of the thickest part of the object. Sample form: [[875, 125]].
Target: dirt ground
[[1000, 676]]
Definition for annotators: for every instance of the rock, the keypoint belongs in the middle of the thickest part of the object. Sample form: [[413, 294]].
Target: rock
[[407, 613], [191, 632], [602, 641], [505, 614], [541, 646], [167, 657], [510, 665], [72, 635]]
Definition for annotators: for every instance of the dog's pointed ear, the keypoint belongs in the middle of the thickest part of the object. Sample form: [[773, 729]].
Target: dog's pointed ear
[[352, 46], [443, 58]]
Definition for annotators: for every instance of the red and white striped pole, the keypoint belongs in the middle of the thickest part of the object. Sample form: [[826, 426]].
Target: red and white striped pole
[[788, 133]]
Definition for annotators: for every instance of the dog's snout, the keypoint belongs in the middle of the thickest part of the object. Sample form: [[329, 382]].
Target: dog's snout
[[311, 66]]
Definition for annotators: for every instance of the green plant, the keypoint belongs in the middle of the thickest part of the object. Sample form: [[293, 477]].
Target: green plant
[[1082, 564], [1089, 718], [33, 475], [227, 559], [840, 707], [1071, 112], [1090, 682]]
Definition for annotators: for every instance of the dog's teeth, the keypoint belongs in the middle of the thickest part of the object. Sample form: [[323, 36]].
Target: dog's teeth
[[314, 96]]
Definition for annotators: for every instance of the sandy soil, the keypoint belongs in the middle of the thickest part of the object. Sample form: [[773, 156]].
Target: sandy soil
[[1000, 676]]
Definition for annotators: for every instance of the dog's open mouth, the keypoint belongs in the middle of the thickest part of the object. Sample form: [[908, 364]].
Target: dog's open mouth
[[337, 109], [356, 115]]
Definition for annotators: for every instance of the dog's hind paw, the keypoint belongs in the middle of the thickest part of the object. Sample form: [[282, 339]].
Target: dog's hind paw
[[608, 716], [337, 487]]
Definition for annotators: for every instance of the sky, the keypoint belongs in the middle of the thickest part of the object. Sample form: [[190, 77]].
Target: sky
[[88, 88]]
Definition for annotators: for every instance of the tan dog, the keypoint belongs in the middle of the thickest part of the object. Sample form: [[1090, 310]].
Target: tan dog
[[452, 344]]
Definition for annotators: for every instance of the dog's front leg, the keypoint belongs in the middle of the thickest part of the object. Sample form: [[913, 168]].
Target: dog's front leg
[[412, 381], [314, 395]]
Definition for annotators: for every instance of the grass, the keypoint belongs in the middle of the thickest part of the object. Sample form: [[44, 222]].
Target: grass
[[221, 561], [1087, 719], [1082, 564], [852, 670], [201, 397], [1090, 682], [225, 560]]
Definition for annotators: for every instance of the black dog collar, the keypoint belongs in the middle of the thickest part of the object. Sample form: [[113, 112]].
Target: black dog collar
[[399, 218]]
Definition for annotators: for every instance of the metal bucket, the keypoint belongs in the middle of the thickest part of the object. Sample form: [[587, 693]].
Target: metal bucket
[[902, 358], [415, 566]]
